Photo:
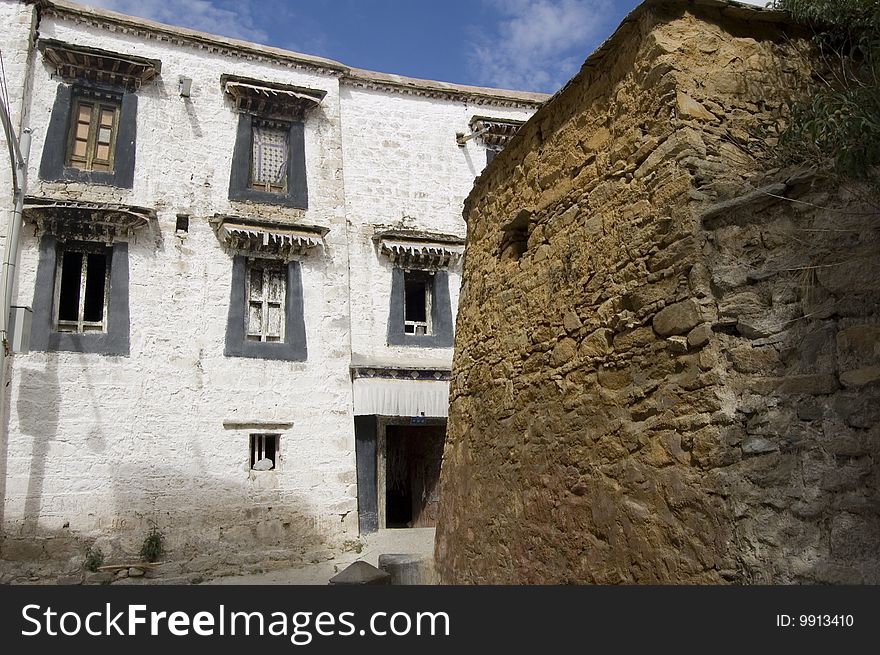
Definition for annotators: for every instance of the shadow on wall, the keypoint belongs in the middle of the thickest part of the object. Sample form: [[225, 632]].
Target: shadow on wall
[[210, 518], [734, 437], [204, 515], [797, 286], [38, 406], [208, 524]]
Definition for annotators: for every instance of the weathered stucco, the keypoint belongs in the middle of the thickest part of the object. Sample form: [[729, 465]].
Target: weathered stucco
[[667, 349], [98, 448]]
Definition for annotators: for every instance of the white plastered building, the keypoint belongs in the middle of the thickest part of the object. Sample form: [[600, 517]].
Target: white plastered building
[[243, 265]]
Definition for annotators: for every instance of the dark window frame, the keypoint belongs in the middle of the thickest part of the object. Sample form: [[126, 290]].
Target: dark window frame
[[293, 347], [240, 188], [54, 165], [441, 312], [114, 339], [85, 249]]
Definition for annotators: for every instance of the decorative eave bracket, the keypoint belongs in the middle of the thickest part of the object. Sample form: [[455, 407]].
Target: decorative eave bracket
[[495, 133], [270, 98], [267, 239], [422, 250], [75, 63], [87, 220]]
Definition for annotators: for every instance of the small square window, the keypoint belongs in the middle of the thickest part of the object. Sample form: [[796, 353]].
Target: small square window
[[82, 287], [270, 156], [420, 311], [92, 138], [417, 298], [264, 451], [266, 298]]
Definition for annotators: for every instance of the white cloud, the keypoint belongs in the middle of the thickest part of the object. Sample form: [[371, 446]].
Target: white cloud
[[538, 44], [204, 15]]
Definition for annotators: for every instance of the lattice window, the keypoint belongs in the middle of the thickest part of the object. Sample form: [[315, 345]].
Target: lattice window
[[417, 296], [82, 286], [93, 130], [264, 451], [267, 297], [270, 156]]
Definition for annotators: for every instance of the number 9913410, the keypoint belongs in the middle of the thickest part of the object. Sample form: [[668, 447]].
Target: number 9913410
[[825, 620]]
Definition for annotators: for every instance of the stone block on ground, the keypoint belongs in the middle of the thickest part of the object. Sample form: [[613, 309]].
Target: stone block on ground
[[408, 569], [361, 573], [98, 577], [70, 578]]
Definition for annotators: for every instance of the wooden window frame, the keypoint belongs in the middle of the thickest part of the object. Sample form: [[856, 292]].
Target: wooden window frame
[[81, 326], [267, 266], [98, 103], [283, 126]]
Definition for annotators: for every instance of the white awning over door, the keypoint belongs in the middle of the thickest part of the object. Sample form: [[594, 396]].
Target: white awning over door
[[396, 397]]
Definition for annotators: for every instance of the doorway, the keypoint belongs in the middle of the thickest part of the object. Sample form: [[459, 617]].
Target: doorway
[[410, 487]]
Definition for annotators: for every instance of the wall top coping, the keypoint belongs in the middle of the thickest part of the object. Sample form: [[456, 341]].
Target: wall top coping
[[116, 22]]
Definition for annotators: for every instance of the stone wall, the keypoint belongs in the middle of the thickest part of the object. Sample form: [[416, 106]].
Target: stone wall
[[666, 356]]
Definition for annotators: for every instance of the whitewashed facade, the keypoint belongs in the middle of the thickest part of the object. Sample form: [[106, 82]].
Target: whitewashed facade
[[107, 433]]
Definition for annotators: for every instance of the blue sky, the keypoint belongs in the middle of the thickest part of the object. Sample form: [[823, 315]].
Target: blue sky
[[532, 45]]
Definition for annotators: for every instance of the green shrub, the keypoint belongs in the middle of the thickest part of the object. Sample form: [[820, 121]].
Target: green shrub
[[94, 559], [153, 546], [838, 128]]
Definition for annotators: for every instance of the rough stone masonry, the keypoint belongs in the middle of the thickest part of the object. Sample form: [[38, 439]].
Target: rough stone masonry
[[668, 349]]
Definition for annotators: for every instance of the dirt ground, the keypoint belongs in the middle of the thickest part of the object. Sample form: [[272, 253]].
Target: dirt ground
[[415, 541]]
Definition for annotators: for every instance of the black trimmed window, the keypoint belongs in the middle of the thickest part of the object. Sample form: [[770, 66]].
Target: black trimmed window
[[421, 309], [420, 312], [266, 299], [266, 310], [495, 133], [82, 288], [92, 133], [269, 160], [94, 126], [267, 296], [81, 297], [418, 297], [91, 137]]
